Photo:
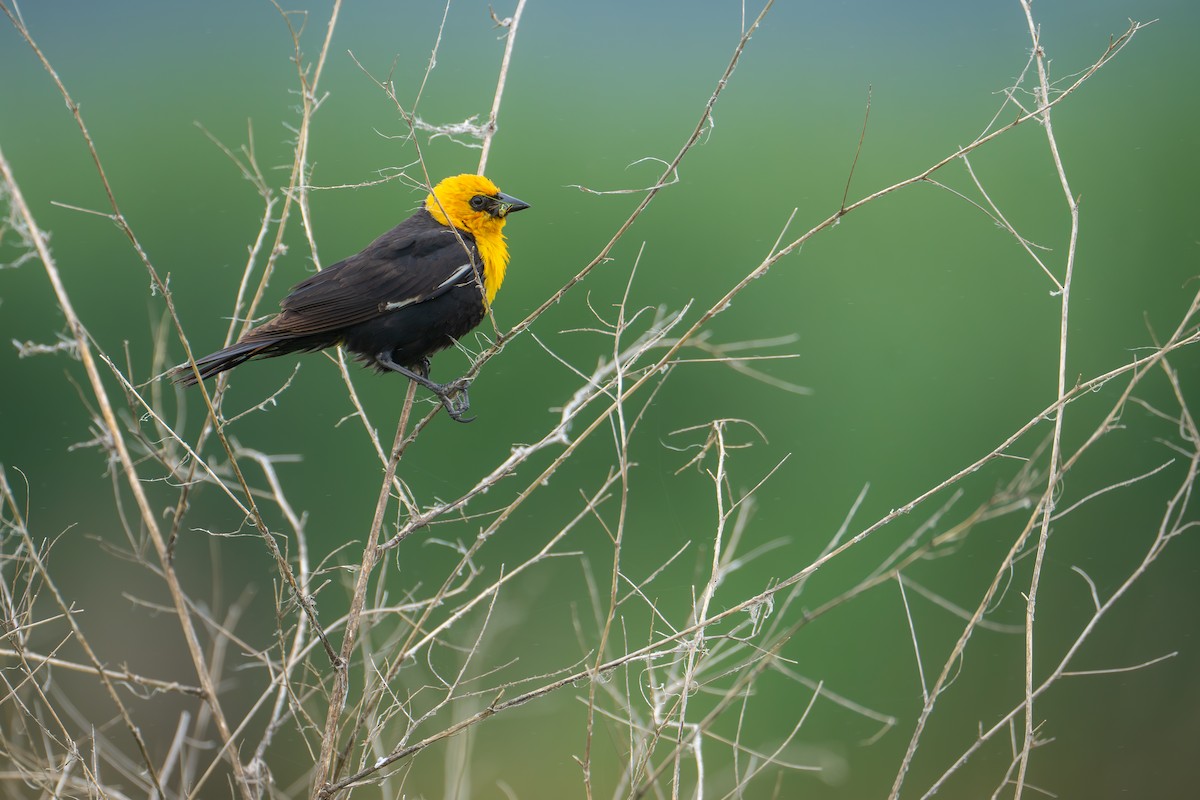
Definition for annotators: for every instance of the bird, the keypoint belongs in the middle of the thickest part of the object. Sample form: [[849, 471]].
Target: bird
[[412, 292]]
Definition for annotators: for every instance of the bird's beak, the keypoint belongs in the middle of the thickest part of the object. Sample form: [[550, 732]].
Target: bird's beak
[[506, 204]]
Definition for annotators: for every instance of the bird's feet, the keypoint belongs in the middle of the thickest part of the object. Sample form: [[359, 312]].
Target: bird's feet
[[455, 398], [453, 394]]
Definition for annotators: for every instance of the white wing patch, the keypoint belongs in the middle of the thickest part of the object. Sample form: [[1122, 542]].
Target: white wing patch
[[458, 273], [408, 301]]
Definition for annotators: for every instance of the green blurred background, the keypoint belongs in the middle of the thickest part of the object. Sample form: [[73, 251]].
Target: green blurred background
[[924, 332]]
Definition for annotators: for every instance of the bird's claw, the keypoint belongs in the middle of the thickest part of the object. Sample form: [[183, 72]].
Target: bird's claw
[[455, 399]]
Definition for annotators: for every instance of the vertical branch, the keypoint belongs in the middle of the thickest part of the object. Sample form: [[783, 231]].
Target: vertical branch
[[695, 647], [341, 678], [292, 658], [298, 179], [621, 442], [489, 130], [1042, 97]]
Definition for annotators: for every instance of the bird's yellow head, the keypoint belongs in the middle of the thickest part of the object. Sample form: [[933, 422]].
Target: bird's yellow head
[[471, 203], [474, 204]]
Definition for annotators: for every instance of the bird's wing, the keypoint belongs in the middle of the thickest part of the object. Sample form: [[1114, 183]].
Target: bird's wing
[[414, 262]]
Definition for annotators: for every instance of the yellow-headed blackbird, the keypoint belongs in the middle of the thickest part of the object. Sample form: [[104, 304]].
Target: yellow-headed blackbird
[[412, 292]]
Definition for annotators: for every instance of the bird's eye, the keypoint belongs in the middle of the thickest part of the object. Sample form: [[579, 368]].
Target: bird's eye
[[477, 201]]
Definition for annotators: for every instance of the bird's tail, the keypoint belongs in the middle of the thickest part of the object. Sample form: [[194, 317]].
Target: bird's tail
[[218, 362]]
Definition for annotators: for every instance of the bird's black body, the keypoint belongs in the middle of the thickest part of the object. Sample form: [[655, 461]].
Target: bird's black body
[[412, 292]]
